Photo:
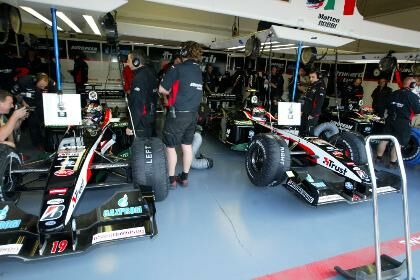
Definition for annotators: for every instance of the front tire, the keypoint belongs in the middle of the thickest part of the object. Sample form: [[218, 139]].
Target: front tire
[[9, 183], [353, 146], [267, 160]]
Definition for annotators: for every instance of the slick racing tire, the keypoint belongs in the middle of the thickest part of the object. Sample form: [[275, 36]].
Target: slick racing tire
[[149, 166], [267, 160], [411, 152], [9, 183], [352, 144], [326, 130]]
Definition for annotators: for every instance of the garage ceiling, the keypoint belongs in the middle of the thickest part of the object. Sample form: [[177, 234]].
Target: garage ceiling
[[208, 25]]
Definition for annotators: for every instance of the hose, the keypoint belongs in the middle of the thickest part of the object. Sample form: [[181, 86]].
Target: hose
[[201, 162]]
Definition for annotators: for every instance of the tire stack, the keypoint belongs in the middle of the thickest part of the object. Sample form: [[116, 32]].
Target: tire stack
[[411, 153]]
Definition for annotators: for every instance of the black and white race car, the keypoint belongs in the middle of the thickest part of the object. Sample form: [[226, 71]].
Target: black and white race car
[[326, 168], [84, 153]]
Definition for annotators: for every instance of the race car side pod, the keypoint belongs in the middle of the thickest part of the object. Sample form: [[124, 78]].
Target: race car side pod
[[201, 162]]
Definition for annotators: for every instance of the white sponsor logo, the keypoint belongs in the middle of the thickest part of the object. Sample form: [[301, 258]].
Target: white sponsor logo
[[413, 241], [197, 86], [10, 249], [301, 191], [55, 201], [330, 198], [344, 126], [53, 212], [118, 234]]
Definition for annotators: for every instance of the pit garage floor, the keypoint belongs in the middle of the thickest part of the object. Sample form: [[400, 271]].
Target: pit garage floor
[[223, 227]]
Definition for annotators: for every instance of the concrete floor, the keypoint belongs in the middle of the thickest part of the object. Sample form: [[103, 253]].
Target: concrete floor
[[223, 227]]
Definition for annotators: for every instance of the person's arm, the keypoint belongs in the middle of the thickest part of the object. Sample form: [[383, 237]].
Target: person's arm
[[398, 78], [168, 80], [7, 129]]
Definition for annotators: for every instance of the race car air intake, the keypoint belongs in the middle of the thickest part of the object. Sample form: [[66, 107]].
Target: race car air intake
[[201, 162]]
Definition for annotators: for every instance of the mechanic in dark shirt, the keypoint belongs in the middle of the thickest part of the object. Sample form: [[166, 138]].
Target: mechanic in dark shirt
[[380, 97], [276, 84], [314, 99], [403, 105], [184, 82], [142, 98], [28, 91], [80, 75], [209, 79], [352, 95], [7, 69]]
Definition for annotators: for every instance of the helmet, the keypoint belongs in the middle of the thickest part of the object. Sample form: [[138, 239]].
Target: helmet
[[258, 113], [94, 113]]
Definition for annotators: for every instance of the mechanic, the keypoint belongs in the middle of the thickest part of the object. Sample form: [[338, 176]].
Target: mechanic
[[143, 95], [28, 91], [403, 105], [276, 84], [127, 77], [80, 74], [184, 82], [380, 97], [176, 59], [8, 125], [352, 95], [302, 85], [314, 99], [209, 79]]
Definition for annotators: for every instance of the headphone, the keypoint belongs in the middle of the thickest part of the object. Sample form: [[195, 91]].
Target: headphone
[[136, 61], [183, 51], [137, 58]]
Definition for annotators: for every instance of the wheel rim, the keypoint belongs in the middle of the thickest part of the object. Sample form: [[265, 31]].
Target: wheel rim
[[347, 153], [257, 159], [10, 181]]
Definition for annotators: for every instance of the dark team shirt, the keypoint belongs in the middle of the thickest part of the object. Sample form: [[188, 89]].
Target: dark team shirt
[[142, 98], [210, 79], [314, 99], [380, 99], [403, 104], [25, 88], [186, 84]]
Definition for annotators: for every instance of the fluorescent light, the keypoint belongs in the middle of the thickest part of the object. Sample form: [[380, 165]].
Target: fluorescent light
[[38, 16], [288, 48], [268, 43], [286, 45], [92, 24], [69, 22], [235, 48]]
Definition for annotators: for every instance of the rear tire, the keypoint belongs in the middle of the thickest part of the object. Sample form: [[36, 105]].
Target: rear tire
[[149, 166], [9, 183], [267, 160], [352, 144], [411, 152]]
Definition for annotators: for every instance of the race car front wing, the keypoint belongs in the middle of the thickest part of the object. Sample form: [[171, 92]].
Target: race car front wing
[[126, 214]]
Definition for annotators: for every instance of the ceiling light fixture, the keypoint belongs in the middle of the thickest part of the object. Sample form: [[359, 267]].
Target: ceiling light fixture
[[69, 22], [89, 19], [38, 16], [236, 48]]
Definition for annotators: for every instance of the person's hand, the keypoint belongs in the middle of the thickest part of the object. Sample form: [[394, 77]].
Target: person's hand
[[129, 132], [21, 113], [310, 117]]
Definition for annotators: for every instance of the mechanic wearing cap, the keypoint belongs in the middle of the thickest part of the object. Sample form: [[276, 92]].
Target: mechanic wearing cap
[[352, 95], [184, 83], [28, 91], [380, 97], [403, 105], [143, 95], [314, 99], [8, 125], [80, 74]]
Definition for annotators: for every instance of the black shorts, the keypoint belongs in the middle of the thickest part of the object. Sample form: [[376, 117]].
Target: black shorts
[[400, 128], [179, 130]]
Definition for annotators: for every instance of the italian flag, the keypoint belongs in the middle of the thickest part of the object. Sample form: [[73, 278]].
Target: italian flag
[[349, 6]]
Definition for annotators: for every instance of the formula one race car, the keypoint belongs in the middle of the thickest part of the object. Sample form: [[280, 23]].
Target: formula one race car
[[84, 153], [327, 167]]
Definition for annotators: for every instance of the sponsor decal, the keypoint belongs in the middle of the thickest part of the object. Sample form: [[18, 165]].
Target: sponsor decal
[[319, 142], [413, 241], [330, 149], [124, 210], [148, 154], [63, 172], [59, 246], [59, 191], [118, 234], [8, 224], [66, 158], [350, 163], [301, 191], [251, 134], [362, 174], [319, 185], [66, 154], [344, 126], [349, 186], [331, 165], [53, 212], [290, 174], [330, 198], [55, 201], [10, 249], [338, 154], [329, 5], [50, 223], [196, 86]]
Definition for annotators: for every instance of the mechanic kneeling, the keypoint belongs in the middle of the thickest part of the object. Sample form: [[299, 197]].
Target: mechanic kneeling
[[314, 99], [184, 83], [142, 98], [28, 91], [8, 125], [403, 105]]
